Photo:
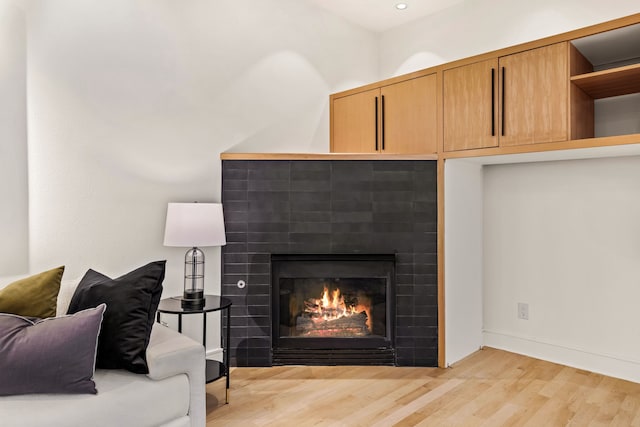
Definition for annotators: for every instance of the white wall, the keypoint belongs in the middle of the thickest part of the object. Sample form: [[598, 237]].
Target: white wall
[[564, 237], [463, 194], [130, 104], [478, 26], [14, 212]]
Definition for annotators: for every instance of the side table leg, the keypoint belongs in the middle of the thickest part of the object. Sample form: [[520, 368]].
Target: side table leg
[[204, 331]]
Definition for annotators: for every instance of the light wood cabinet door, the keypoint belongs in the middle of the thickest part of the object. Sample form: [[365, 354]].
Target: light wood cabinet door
[[355, 123], [534, 91], [409, 116], [471, 106]]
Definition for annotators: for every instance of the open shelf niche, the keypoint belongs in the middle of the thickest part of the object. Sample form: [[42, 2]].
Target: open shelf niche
[[614, 82]]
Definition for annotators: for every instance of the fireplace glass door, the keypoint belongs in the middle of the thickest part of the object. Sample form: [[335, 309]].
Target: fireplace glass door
[[332, 301]]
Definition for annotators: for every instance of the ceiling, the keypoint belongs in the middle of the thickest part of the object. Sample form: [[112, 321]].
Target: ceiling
[[381, 15]]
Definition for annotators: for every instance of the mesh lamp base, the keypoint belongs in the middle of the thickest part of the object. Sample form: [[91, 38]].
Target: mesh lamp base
[[193, 296]]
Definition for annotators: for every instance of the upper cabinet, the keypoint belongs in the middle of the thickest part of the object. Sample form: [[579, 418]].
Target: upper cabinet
[[534, 96], [573, 90], [409, 116], [399, 118], [511, 100], [355, 123], [470, 106]]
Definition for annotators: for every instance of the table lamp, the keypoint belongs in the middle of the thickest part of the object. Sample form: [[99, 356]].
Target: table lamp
[[192, 225]]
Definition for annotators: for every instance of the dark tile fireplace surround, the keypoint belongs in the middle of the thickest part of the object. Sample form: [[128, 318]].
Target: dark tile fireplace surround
[[324, 207]]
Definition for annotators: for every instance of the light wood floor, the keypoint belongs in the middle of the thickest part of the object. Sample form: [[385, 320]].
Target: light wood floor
[[488, 388]]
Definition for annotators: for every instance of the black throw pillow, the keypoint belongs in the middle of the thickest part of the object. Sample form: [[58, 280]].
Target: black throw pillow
[[132, 301]]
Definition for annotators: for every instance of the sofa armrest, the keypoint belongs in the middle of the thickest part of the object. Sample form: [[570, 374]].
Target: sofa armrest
[[171, 353]]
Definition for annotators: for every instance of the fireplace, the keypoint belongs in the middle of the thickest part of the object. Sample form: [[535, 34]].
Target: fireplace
[[331, 207], [333, 309]]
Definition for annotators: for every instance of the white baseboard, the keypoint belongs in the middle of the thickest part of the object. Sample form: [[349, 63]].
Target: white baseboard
[[609, 365]]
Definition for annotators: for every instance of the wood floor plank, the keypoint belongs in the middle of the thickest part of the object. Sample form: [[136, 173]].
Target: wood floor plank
[[406, 410], [488, 388]]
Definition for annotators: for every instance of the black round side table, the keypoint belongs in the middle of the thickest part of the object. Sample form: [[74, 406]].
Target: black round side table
[[173, 305]]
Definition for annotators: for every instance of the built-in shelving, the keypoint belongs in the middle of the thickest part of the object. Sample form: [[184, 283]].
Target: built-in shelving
[[611, 82], [614, 84]]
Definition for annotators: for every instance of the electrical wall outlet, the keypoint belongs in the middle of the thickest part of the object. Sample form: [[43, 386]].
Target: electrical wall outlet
[[523, 311]]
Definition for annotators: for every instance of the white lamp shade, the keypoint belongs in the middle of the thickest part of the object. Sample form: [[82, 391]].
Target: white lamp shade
[[194, 224]]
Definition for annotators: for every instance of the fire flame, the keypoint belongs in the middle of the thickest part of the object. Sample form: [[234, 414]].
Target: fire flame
[[332, 306]]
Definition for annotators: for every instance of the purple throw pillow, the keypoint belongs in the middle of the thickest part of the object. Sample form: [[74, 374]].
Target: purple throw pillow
[[53, 355]]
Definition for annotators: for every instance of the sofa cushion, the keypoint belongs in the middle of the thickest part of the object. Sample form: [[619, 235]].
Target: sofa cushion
[[132, 300], [33, 296], [67, 288], [54, 355], [123, 399]]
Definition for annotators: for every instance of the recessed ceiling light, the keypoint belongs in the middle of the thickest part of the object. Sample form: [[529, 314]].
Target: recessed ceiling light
[[401, 6]]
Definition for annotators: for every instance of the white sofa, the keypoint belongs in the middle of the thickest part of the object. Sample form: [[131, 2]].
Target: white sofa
[[172, 394]]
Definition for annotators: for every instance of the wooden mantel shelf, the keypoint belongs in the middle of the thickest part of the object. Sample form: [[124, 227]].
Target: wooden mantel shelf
[[325, 156]]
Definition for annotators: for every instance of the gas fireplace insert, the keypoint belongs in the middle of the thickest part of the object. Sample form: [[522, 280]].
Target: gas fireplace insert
[[333, 309]]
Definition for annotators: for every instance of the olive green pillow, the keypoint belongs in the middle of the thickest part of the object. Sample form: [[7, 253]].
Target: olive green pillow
[[33, 296]]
